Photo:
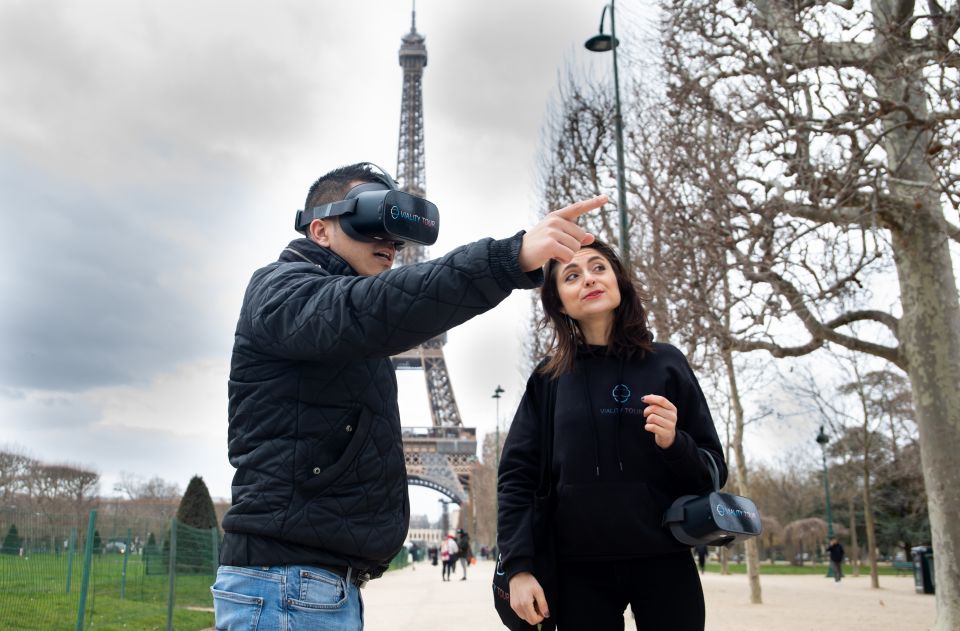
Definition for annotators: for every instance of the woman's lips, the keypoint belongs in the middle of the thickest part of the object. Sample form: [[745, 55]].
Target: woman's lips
[[593, 294]]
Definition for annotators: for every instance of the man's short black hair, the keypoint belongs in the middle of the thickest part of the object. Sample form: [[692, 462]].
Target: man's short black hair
[[335, 185]]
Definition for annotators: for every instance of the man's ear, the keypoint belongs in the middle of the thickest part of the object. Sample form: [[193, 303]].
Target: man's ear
[[319, 230]]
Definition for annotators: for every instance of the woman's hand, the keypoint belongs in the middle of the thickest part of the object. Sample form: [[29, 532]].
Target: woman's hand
[[527, 599], [661, 418]]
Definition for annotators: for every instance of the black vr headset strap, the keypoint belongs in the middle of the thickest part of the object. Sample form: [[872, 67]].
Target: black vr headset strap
[[714, 471], [676, 513], [304, 217], [348, 204], [383, 176]]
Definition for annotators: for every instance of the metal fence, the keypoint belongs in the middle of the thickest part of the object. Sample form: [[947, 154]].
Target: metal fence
[[107, 571], [76, 572]]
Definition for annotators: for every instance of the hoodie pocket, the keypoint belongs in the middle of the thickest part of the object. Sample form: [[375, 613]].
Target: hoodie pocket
[[605, 521]]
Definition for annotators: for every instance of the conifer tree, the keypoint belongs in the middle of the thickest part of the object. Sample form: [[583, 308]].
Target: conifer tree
[[11, 543], [196, 517], [196, 507]]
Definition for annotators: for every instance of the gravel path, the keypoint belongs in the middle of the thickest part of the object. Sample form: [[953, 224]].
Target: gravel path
[[417, 600]]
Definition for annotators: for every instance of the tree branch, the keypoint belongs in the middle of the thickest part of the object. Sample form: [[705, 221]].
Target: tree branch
[[805, 54], [881, 317], [818, 329]]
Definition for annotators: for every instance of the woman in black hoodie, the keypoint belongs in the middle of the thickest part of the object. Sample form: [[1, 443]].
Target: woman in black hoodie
[[628, 421]]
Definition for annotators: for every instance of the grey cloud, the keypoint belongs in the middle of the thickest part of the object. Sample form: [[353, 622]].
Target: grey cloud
[[88, 305]]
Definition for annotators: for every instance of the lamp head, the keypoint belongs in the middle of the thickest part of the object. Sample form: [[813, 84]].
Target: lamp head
[[601, 43], [822, 437]]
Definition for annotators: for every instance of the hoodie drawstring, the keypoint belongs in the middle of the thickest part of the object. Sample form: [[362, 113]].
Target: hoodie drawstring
[[620, 417], [593, 418]]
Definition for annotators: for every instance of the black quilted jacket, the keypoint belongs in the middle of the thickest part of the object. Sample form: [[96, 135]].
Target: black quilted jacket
[[314, 425]]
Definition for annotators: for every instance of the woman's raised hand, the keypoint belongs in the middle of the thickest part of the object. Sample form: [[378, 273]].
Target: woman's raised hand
[[661, 416]]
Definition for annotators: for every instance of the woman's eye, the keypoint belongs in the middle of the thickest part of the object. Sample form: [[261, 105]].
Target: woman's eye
[[570, 277]]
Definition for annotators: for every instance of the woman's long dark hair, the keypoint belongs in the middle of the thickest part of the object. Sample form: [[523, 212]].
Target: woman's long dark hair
[[629, 334]]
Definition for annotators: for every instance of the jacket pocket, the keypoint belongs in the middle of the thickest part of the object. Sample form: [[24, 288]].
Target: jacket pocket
[[323, 456]]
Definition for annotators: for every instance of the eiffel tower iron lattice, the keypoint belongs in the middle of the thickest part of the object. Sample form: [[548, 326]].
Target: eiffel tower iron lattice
[[410, 178]]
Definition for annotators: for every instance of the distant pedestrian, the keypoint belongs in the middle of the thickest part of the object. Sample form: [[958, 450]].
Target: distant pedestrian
[[463, 543], [701, 556], [448, 555], [836, 559]]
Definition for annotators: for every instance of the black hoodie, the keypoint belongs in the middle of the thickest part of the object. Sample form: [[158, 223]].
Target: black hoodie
[[612, 482]]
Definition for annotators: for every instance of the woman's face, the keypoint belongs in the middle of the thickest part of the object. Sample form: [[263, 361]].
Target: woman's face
[[588, 287]]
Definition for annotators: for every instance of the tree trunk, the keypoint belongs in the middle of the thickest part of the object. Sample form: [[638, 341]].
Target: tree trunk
[[871, 529], [930, 339], [743, 485], [929, 331], [854, 543]]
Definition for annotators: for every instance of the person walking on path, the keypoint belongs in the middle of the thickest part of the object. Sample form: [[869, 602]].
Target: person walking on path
[[836, 559], [465, 553], [320, 502], [449, 556], [629, 426]]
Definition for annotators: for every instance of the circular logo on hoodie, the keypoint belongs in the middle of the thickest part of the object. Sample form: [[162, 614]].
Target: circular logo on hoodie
[[621, 393]]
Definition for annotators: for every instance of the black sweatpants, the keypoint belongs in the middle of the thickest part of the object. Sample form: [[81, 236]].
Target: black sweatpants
[[664, 592]]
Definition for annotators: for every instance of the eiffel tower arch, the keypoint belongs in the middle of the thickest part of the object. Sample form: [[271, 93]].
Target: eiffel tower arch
[[439, 456]]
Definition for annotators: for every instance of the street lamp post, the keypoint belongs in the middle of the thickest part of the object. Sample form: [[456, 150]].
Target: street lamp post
[[601, 43], [444, 519], [496, 471], [822, 439]]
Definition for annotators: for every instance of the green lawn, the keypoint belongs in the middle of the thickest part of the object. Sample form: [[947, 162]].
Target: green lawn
[[33, 596], [807, 568]]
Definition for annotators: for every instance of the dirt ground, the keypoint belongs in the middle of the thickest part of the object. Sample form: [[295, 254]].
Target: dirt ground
[[417, 600], [801, 603]]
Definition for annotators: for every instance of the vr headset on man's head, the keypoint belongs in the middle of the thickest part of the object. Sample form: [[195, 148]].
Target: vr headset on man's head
[[378, 211]]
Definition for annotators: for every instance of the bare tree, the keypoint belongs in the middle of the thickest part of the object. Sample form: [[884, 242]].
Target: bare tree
[[154, 489], [848, 113], [15, 469], [63, 488]]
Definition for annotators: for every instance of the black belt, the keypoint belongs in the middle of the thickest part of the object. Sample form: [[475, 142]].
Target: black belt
[[357, 577]]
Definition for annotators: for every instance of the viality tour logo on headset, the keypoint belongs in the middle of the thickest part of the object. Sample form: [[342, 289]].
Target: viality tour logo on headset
[[378, 211], [397, 213]]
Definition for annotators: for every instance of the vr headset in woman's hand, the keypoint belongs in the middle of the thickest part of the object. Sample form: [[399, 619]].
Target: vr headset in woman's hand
[[714, 519], [377, 211]]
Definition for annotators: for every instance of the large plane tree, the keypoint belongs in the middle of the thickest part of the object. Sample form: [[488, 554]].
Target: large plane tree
[[848, 171]]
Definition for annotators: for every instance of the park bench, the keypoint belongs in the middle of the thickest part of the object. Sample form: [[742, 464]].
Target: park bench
[[903, 566]]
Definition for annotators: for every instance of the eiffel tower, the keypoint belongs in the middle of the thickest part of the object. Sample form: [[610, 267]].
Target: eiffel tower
[[440, 456]]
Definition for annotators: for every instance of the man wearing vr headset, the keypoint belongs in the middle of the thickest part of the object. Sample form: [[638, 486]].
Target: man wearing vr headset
[[320, 501]]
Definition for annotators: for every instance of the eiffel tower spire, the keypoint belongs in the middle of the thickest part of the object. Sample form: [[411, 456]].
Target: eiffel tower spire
[[411, 178]]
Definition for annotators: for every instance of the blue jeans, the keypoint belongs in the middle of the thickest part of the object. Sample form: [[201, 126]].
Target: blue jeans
[[285, 598]]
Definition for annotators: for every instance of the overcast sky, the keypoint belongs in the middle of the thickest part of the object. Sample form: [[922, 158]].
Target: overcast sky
[[152, 155]]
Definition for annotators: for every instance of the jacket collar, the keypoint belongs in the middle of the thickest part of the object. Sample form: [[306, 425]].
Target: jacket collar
[[307, 251]]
